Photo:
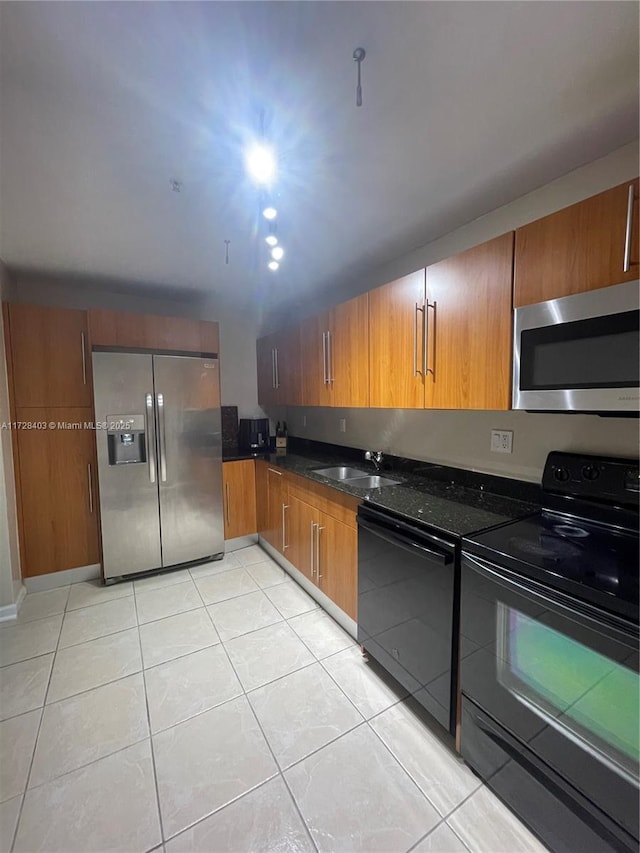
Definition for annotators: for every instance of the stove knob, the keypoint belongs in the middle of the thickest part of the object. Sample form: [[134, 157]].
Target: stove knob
[[561, 474], [590, 472]]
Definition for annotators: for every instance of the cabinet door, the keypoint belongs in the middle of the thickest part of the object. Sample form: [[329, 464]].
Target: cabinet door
[[302, 519], [288, 367], [58, 492], [348, 355], [239, 486], [579, 248], [277, 491], [51, 365], [316, 389], [469, 328], [266, 371], [262, 496], [337, 560], [396, 343]]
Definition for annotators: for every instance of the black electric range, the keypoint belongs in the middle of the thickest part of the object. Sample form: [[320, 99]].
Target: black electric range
[[549, 657]]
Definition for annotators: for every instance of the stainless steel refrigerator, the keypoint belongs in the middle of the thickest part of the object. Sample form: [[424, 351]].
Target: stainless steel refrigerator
[[159, 460]]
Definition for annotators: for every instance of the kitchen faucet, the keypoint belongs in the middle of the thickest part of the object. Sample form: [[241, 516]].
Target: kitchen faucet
[[374, 456]]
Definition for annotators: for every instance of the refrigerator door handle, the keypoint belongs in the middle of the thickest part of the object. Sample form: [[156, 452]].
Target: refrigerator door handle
[[150, 437], [162, 439]]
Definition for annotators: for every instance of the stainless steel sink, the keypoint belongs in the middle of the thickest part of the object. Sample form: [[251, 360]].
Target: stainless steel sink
[[370, 482], [340, 472]]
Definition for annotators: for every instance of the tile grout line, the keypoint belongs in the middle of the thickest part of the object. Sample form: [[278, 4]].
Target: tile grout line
[[35, 744], [151, 746]]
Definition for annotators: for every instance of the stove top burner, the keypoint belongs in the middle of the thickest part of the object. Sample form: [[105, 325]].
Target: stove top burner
[[555, 550], [571, 531]]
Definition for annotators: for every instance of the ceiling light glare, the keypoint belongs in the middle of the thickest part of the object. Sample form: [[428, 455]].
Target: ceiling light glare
[[271, 240], [273, 265], [260, 162], [278, 253], [269, 213]]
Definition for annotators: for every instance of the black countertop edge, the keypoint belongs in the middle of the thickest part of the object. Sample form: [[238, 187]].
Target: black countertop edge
[[236, 454], [492, 484]]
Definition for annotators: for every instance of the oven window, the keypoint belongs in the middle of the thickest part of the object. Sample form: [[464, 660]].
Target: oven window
[[599, 352], [585, 695]]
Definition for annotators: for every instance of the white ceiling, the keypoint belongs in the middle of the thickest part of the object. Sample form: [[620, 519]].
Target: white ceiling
[[466, 106]]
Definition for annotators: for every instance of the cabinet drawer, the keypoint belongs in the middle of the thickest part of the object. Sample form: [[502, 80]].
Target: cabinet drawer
[[337, 504]]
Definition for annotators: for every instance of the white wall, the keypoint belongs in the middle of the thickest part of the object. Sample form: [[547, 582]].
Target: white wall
[[462, 439], [238, 329], [10, 579]]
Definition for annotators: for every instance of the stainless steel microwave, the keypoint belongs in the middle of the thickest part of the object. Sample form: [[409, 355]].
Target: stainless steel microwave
[[580, 353]]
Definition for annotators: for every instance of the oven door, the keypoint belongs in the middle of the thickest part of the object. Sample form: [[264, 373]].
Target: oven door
[[579, 353], [560, 678]]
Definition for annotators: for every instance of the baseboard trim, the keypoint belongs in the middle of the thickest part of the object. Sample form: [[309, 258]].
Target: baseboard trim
[[240, 542], [345, 621], [39, 583], [9, 612]]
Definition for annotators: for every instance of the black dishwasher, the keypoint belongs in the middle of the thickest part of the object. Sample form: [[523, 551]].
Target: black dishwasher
[[408, 580]]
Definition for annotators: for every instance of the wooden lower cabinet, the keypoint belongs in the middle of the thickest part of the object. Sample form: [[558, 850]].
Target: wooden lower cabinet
[[262, 496], [58, 492], [276, 509], [239, 491], [301, 521], [322, 540], [337, 563]]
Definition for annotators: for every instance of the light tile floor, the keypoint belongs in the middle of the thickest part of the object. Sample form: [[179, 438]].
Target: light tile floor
[[219, 709]]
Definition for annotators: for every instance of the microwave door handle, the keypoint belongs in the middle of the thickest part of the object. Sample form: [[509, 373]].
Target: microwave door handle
[[407, 544]]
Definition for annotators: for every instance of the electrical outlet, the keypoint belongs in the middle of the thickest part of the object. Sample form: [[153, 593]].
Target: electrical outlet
[[343, 424], [502, 441], [304, 421]]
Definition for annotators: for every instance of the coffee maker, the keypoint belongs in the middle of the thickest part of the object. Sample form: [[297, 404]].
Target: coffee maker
[[253, 434]]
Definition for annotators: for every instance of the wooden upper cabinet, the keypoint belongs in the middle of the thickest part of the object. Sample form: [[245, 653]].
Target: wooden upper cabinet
[[396, 343], [335, 355], [239, 485], [469, 328], [50, 356], [279, 368], [316, 390], [266, 365], [58, 494], [150, 331], [348, 353], [579, 248]]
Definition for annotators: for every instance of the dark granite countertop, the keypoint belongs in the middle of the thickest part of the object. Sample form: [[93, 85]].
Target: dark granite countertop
[[423, 495]]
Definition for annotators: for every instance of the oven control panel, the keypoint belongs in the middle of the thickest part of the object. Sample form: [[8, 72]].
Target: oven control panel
[[602, 478]]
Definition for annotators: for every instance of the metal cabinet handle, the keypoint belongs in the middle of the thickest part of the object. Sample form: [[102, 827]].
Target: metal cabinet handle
[[318, 532], [329, 359], [84, 358], [626, 266], [90, 484], [150, 437], [425, 365], [313, 524], [228, 502], [324, 358], [162, 439], [273, 471], [277, 385], [285, 507], [419, 310]]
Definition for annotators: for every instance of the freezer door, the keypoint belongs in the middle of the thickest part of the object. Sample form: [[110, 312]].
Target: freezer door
[[189, 457], [123, 393]]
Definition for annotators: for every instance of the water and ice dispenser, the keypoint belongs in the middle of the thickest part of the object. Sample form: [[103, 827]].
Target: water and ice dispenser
[[126, 439]]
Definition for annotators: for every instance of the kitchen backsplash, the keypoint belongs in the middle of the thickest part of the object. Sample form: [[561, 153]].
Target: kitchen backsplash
[[462, 439]]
